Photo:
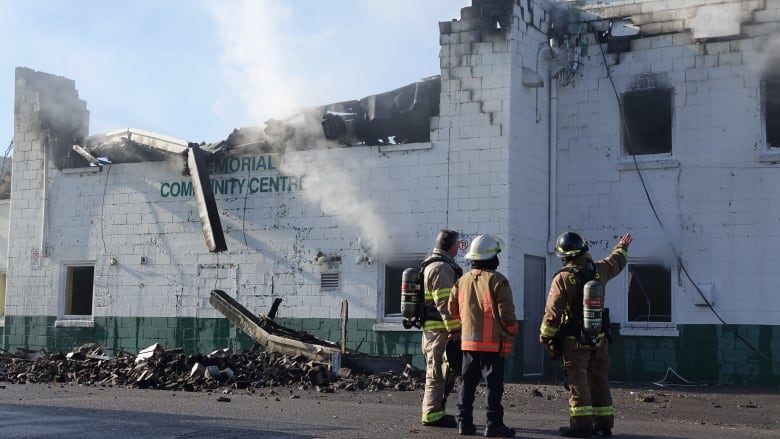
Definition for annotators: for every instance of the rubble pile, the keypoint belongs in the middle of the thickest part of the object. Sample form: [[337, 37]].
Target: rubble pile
[[171, 369]]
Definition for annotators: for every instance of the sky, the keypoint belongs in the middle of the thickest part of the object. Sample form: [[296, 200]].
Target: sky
[[197, 69]]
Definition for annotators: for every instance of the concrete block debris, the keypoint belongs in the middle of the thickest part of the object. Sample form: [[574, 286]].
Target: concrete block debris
[[156, 367]]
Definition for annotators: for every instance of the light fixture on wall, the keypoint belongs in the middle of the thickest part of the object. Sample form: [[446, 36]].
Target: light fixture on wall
[[325, 261], [365, 252], [622, 28]]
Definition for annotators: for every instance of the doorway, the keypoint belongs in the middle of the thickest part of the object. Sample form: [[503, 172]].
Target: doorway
[[534, 289]]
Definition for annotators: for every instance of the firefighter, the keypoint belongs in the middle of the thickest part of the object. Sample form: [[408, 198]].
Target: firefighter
[[439, 275], [482, 300], [585, 360]]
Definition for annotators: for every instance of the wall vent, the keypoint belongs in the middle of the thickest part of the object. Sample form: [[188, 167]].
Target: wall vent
[[330, 281]]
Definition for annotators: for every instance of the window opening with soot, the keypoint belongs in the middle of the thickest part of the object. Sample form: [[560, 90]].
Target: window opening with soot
[[647, 117]]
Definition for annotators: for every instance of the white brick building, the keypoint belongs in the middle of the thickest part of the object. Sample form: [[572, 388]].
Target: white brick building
[[651, 117]]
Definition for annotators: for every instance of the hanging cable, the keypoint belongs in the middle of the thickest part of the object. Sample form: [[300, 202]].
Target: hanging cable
[[677, 256], [102, 207]]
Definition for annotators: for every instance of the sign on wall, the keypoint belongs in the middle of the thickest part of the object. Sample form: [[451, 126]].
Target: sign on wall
[[35, 259], [237, 175]]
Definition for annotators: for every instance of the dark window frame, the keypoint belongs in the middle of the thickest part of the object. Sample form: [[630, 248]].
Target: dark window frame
[[390, 282], [649, 293], [79, 297], [770, 98], [647, 122]]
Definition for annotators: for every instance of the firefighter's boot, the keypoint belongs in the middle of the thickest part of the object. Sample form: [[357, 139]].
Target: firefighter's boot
[[574, 432]]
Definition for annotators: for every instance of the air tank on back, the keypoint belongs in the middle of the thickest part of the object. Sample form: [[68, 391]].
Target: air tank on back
[[592, 308], [411, 298]]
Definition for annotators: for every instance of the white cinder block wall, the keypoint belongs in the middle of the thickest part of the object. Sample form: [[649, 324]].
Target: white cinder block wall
[[529, 134], [272, 238], [713, 192], [40, 125], [473, 128], [499, 148]]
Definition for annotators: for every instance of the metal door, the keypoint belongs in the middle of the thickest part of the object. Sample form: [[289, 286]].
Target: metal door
[[534, 289]]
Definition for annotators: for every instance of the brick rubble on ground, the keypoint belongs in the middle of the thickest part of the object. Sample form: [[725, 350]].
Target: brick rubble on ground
[[171, 369]]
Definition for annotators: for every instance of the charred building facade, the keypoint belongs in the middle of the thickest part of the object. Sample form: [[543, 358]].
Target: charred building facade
[[605, 117]]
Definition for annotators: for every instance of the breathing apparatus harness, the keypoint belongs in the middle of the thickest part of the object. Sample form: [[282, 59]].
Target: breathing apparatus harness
[[413, 306], [587, 323]]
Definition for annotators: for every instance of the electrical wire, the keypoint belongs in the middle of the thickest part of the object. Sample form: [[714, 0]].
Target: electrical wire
[[632, 273], [102, 207], [243, 214], [216, 273], [677, 256], [449, 151]]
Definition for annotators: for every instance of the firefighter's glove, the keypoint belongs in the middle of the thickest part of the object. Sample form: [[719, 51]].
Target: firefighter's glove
[[551, 346]]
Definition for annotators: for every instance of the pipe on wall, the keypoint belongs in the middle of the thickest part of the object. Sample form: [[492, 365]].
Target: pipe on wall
[[552, 137]]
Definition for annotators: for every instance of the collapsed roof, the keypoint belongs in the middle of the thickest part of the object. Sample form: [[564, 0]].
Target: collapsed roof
[[398, 116]]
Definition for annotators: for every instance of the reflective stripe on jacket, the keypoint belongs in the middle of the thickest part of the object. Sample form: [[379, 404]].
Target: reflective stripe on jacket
[[482, 300], [565, 294], [439, 277]]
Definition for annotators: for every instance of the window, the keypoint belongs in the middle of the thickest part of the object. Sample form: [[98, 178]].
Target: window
[[390, 281], [648, 122], [649, 293], [772, 112], [79, 283]]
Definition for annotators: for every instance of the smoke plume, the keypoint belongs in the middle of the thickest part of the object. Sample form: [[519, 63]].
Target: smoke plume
[[337, 190], [263, 62]]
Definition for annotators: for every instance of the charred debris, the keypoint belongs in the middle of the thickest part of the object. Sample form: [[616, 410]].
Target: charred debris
[[394, 117], [171, 369], [281, 357]]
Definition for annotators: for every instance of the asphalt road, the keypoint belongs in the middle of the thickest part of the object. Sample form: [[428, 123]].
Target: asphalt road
[[536, 411]]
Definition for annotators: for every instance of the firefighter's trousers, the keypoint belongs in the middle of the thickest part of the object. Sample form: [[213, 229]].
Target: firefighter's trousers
[[587, 370], [433, 343], [476, 366]]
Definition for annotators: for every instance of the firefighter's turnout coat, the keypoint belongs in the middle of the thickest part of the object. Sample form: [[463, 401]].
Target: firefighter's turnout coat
[[586, 364], [439, 274], [439, 277], [482, 300]]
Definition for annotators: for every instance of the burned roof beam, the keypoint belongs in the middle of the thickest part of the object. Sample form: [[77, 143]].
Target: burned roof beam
[[146, 138], [87, 156], [204, 199]]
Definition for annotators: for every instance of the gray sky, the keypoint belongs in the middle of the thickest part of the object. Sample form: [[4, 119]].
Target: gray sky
[[197, 69]]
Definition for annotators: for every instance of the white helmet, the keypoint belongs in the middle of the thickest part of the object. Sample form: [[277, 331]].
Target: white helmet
[[484, 247]]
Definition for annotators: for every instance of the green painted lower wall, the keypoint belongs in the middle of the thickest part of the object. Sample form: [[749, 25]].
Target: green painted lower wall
[[737, 354], [710, 354], [130, 334]]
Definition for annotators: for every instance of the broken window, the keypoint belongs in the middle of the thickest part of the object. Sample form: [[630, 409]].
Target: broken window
[[2, 294], [330, 281], [392, 283], [79, 284], [648, 122], [772, 112], [649, 293]]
